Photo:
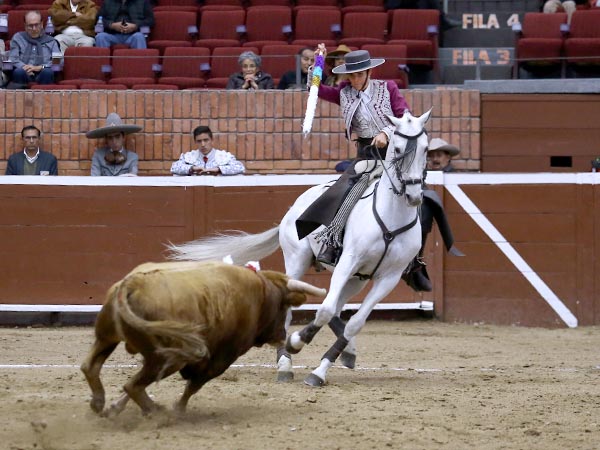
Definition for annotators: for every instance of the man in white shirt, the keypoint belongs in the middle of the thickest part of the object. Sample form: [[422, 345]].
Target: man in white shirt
[[206, 160]]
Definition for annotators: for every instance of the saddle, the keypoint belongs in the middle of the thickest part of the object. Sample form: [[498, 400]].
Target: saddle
[[323, 210]]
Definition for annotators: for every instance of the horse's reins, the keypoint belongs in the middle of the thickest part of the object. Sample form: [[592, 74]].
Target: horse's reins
[[389, 236]]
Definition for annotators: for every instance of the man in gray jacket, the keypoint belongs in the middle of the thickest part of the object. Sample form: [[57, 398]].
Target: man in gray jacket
[[31, 52]]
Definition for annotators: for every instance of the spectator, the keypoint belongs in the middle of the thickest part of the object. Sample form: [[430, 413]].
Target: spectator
[[74, 21], [439, 155], [250, 75], [32, 160], [445, 21], [3, 76], [123, 21], [31, 52], [288, 80], [568, 6], [206, 160], [114, 159], [334, 59]]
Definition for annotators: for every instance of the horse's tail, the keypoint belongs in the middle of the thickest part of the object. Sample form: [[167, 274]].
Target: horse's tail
[[240, 246]]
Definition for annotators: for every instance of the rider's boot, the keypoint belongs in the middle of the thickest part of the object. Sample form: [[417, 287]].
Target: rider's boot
[[416, 276], [329, 255]]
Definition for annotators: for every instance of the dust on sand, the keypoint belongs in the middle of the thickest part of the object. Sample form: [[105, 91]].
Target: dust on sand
[[418, 385]]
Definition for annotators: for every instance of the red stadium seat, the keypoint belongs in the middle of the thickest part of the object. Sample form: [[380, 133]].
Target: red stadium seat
[[583, 42], [279, 59], [287, 3], [220, 28], [223, 63], [54, 87], [134, 66], [313, 26], [155, 87], [267, 25], [173, 29], [364, 28], [418, 30], [185, 67], [540, 40], [317, 3], [99, 87], [85, 64], [395, 62]]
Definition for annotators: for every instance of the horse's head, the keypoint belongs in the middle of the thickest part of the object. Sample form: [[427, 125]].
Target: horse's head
[[407, 156]]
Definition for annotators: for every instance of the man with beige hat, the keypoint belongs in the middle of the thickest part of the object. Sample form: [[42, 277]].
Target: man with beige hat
[[440, 154], [114, 159]]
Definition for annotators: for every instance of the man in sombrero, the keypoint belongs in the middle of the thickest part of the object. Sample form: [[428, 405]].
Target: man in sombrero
[[114, 159]]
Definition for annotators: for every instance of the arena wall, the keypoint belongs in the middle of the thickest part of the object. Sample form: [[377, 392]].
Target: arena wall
[[530, 240]]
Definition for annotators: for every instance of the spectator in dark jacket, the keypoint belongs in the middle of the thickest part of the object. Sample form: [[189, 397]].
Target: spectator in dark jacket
[[250, 76], [123, 22], [288, 80], [32, 160]]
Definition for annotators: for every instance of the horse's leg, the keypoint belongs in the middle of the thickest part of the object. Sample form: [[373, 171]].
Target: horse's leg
[[381, 287], [297, 256], [337, 325], [285, 371], [328, 309]]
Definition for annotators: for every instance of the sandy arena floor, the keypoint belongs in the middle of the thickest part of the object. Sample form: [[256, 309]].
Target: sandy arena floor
[[418, 385]]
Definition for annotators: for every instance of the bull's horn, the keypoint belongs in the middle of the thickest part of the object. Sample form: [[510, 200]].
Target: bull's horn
[[303, 286]]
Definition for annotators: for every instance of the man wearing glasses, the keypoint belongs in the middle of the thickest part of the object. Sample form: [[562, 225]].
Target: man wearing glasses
[[31, 52], [32, 160]]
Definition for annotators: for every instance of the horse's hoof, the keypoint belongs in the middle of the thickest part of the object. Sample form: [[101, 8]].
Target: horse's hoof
[[314, 381], [348, 360], [289, 347], [285, 376]]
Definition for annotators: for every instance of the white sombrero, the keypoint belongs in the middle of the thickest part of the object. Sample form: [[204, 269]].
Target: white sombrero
[[440, 144]]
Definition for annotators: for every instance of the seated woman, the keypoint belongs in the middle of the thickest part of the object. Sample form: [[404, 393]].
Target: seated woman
[[288, 79], [250, 75]]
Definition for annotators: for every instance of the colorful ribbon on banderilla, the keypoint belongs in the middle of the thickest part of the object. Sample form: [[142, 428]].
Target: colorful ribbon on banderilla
[[313, 95]]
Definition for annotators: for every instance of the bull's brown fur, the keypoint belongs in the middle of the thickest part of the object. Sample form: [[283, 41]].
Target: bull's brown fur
[[197, 318]]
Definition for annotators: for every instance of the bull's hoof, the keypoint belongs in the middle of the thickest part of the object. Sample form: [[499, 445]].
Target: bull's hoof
[[314, 381], [348, 360], [97, 405], [285, 376], [289, 347]]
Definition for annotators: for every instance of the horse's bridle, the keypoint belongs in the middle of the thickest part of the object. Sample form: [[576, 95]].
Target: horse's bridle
[[411, 147]]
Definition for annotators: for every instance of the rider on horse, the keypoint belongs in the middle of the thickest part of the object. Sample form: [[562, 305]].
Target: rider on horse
[[365, 105]]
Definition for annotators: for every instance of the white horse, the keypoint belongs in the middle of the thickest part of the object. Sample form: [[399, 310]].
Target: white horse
[[382, 236]]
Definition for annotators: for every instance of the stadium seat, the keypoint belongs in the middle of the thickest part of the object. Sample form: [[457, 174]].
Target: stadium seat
[[395, 62], [134, 66], [418, 30], [174, 4], [364, 28], [85, 65], [99, 87], [223, 63], [313, 26], [583, 41], [173, 29], [54, 87], [540, 40], [155, 87], [279, 59], [267, 25], [269, 3], [16, 21], [37, 6], [362, 6], [317, 3], [220, 28], [185, 67]]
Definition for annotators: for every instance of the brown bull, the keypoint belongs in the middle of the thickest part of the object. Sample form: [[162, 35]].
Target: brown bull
[[195, 318]]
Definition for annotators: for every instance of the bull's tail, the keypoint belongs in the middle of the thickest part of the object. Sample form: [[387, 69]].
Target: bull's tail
[[242, 247], [180, 343]]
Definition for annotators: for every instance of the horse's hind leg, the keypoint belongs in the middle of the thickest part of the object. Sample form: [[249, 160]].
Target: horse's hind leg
[[91, 367]]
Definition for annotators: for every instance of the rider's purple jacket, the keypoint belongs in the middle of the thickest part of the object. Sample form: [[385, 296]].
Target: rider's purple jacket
[[381, 98]]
